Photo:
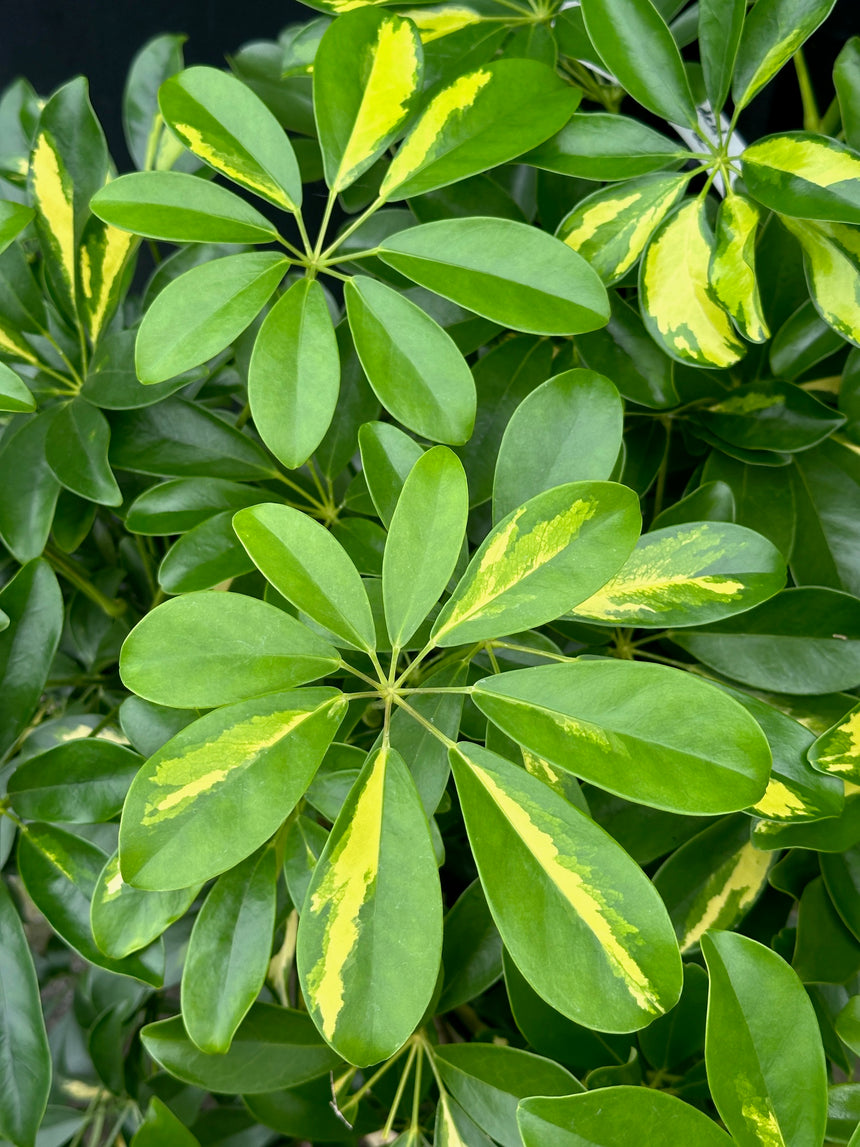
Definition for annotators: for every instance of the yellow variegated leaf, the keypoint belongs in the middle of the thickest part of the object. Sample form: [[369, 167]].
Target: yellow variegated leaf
[[832, 275], [53, 198], [732, 272], [804, 175], [677, 306], [434, 22], [372, 912], [13, 346], [611, 227], [688, 575], [104, 256], [838, 750]]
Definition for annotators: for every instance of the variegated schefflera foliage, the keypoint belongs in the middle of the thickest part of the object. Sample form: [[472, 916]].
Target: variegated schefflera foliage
[[510, 792]]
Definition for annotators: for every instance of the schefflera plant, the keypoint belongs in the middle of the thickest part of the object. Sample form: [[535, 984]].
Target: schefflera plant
[[288, 679]]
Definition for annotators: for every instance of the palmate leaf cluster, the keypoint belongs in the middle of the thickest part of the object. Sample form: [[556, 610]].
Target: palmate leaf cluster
[[430, 622]]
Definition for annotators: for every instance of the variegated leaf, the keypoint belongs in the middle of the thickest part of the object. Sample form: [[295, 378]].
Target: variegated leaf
[[732, 272], [689, 575], [677, 306], [804, 175], [435, 21], [370, 932], [540, 858], [838, 750], [611, 227], [125, 919], [104, 256], [773, 31], [541, 560], [830, 257], [222, 786]]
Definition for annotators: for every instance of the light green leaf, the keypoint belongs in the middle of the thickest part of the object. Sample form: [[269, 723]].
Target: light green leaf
[[203, 311], [14, 217], [636, 46], [373, 907], [180, 209], [414, 367], [161, 1128], [387, 456], [228, 953], [424, 541], [689, 574], [207, 649], [15, 396], [831, 252], [567, 430], [846, 80], [176, 506], [143, 127], [368, 71], [125, 919], [608, 722], [539, 857], [222, 121], [804, 175], [773, 32], [294, 374], [766, 1066], [621, 1116], [76, 448], [506, 271], [541, 560], [470, 126], [602, 146], [310, 568], [611, 227], [675, 298], [837, 752], [180, 824], [732, 271]]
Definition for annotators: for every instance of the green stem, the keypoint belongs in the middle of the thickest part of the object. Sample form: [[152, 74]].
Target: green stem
[[398, 1095], [299, 490], [415, 662], [437, 733], [354, 226], [369, 1084], [351, 256], [663, 472], [113, 607], [326, 219], [832, 117], [363, 676], [811, 118], [416, 1089], [293, 250], [303, 231]]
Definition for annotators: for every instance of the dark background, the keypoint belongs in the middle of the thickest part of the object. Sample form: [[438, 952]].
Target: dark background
[[49, 41]]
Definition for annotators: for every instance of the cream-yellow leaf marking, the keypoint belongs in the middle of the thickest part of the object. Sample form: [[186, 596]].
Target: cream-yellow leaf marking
[[385, 103], [733, 888], [244, 171], [114, 883], [747, 403], [759, 1114], [833, 277], [12, 344], [53, 194], [780, 802], [591, 220], [842, 745], [815, 162], [427, 138], [608, 926], [347, 883], [511, 557], [433, 23], [235, 750], [732, 272], [98, 282]]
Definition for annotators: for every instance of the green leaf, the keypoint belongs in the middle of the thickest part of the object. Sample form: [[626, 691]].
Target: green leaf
[[424, 541], [387, 456], [539, 857], [414, 367], [720, 25], [294, 374], [567, 430], [710, 502], [766, 1066], [310, 568], [34, 605], [30, 489], [161, 1128], [764, 501], [487, 1080], [373, 907], [274, 1047], [14, 217], [830, 253], [303, 844], [506, 271], [770, 416], [846, 80], [228, 953], [25, 1058], [60, 872], [825, 952], [177, 506], [179, 825], [472, 949], [207, 555], [602, 146], [76, 447], [622, 1116], [158, 59], [636, 46], [611, 227], [689, 574], [83, 781], [540, 561], [841, 874], [180, 209], [15, 396], [837, 752], [112, 381], [803, 341], [367, 73], [125, 919], [470, 126], [711, 758], [624, 352], [732, 271], [804, 175], [713, 880], [674, 292], [203, 650], [828, 530], [772, 34], [203, 311], [222, 121], [804, 640]]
